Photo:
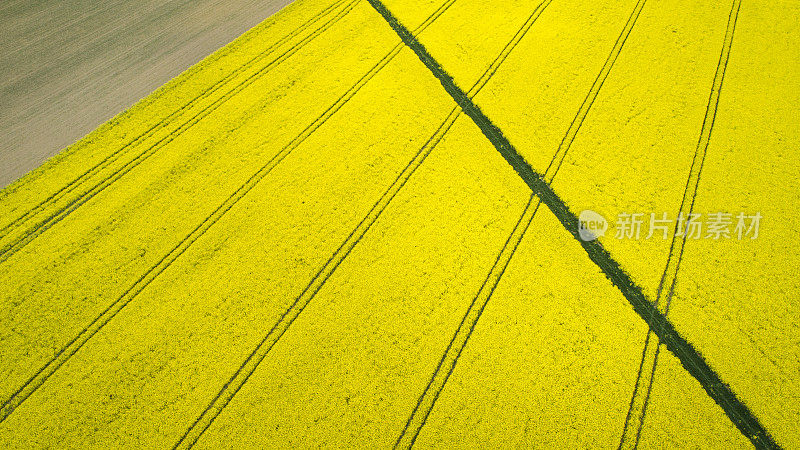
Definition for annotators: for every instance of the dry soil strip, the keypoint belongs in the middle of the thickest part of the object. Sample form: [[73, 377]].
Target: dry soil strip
[[29, 235], [637, 410], [658, 323], [66, 352], [162, 123], [447, 364]]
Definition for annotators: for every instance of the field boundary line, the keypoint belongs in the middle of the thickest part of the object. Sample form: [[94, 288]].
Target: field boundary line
[[163, 122], [637, 409], [66, 352], [452, 353], [9, 249], [692, 361]]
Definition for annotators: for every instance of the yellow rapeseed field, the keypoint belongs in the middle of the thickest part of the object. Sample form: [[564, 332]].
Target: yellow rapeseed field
[[315, 237]]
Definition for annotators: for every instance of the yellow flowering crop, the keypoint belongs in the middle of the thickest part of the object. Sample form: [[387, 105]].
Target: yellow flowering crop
[[303, 241]]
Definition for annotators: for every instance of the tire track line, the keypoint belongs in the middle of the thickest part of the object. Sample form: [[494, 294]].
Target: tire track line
[[15, 245], [588, 101], [452, 353], [692, 361], [639, 402], [243, 373], [66, 352], [458, 342], [254, 359]]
